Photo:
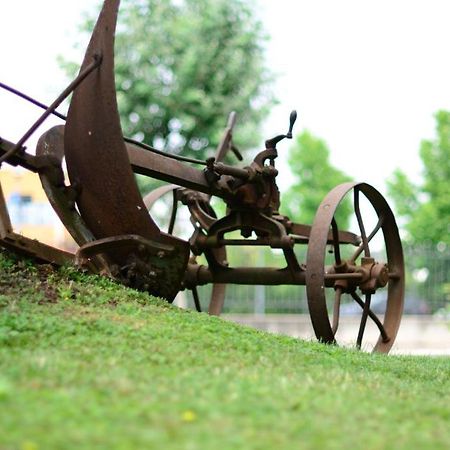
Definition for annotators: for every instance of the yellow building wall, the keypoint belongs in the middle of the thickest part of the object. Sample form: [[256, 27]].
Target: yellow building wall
[[23, 182], [35, 219]]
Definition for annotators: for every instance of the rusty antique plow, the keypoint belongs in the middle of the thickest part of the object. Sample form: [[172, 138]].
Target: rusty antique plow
[[101, 207]]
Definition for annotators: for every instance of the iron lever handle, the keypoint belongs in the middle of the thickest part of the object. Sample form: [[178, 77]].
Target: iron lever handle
[[271, 143]]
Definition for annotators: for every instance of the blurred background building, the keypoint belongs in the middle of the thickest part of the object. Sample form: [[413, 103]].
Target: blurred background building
[[30, 212]]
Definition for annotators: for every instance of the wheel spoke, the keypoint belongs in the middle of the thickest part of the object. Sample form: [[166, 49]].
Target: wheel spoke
[[369, 238], [196, 299], [362, 325], [337, 250], [173, 216], [373, 316], [336, 309], [365, 243]]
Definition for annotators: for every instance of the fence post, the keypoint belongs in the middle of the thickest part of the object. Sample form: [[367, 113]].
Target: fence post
[[260, 299]]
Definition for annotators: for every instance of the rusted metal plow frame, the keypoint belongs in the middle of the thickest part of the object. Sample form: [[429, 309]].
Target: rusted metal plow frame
[[105, 213]]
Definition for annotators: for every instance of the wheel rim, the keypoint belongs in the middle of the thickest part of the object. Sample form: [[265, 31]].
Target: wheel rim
[[317, 278], [218, 292]]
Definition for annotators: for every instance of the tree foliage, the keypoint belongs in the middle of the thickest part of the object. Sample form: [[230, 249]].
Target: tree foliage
[[183, 65], [426, 206], [315, 177]]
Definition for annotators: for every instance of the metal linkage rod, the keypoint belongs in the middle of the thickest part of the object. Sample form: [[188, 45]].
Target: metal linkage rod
[[50, 110], [126, 139], [30, 99]]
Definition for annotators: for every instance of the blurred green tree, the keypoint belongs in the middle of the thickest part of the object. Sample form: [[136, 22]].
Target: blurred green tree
[[183, 65], [425, 207], [314, 176], [425, 210]]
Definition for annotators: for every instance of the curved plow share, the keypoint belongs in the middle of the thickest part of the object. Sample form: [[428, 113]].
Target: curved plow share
[[104, 212], [108, 199]]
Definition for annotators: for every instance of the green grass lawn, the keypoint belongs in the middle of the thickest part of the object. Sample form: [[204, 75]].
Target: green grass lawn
[[88, 364]]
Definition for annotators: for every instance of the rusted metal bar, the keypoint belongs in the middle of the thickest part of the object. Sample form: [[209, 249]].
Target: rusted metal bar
[[225, 142], [200, 274], [126, 139], [61, 197], [64, 94], [39, 252], [166, 169], [31, 100], [23, 159]]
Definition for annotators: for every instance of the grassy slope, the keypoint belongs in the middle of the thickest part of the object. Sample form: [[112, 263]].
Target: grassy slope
[[85, 363]]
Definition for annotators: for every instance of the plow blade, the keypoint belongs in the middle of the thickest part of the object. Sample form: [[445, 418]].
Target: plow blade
[[99, 168]]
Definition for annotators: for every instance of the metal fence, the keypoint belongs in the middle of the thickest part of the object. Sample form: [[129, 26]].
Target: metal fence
[[427, 288], [427, 277]]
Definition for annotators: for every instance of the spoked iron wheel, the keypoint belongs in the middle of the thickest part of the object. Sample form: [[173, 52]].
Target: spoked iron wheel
[[218, 289], [356, 273]]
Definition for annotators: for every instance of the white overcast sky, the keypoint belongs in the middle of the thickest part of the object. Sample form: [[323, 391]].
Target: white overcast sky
[[366, 76]]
